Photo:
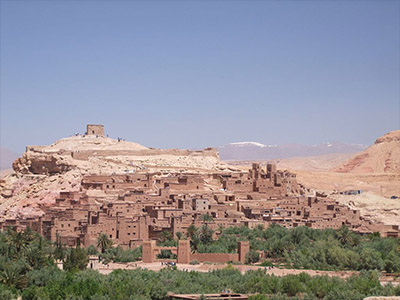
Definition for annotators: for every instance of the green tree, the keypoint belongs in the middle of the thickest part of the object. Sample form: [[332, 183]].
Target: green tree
[[165, 236], [13, 275], [103, 242], [16, 240], [207, 218], [76, 259], [204, 234], [371, 259], [344, 235], [191, 231], [92, 250], [392, 262], [252, 257]]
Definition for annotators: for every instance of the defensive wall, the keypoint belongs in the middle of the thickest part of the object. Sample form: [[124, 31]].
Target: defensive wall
[[184, 255]]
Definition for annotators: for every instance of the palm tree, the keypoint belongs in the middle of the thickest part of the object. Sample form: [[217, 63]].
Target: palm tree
[[13, 276], [220, 229], [16, 239], [204, 234], [103, 242], [191, 230], [344, 235], [207, 218]]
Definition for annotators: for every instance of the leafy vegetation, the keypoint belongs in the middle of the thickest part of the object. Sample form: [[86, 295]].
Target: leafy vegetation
[[303, 247], [142, 284], [118, 254], [27, 267], [104, 242]]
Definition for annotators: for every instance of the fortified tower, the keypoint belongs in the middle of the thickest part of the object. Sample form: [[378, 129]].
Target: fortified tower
[[92, 129], [183, 252], [243, 249]]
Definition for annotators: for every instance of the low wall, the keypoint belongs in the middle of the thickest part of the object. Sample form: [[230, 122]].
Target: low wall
[[215, 257]]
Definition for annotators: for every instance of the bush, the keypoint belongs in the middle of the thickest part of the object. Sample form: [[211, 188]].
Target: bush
[[267, 263], [194, 262], [92, 250], [252, 257], [76, 259]]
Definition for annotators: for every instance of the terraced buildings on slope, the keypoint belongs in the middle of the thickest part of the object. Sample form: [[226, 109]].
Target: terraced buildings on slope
[[134, 208], [137, 204]]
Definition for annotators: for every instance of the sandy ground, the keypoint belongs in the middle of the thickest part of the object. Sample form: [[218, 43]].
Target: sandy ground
[[385, 184], [314, 163], [157, 266]]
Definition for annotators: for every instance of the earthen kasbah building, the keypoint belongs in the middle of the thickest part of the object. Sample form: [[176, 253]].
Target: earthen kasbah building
[[136, 207]]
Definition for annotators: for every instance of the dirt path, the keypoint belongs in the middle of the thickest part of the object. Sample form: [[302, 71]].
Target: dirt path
[[156, 266]]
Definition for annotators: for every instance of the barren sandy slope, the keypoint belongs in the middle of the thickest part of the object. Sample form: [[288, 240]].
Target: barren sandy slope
[[382, 157]]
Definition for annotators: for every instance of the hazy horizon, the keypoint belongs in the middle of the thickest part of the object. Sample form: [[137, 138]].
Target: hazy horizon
[[199, 74]]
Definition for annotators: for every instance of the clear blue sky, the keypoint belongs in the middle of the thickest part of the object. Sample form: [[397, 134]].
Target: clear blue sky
[[192, 74]]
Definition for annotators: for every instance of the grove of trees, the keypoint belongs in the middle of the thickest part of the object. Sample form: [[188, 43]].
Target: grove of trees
[[28, 269], [303, 247]]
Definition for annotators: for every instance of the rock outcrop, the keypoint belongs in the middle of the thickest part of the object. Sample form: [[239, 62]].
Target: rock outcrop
[[382, 157], [42, 172], [96, 153]]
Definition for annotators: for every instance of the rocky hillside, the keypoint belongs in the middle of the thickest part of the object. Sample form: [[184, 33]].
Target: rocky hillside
[[43, 171], [96, 154], [382, 157]]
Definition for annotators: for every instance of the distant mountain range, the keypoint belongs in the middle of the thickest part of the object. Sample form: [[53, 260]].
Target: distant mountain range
[[7, 157], [258, 151]]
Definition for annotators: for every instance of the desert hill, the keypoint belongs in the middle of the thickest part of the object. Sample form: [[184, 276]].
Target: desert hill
[[97, 154], [42, 172], [91, 142], [382, 157]]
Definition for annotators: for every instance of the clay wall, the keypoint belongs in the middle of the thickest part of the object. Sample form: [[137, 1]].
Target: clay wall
[[128, 231], [215, 257]]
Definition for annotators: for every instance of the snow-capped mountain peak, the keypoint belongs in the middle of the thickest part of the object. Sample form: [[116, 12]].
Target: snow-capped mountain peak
[[244, 144], [254, 144]]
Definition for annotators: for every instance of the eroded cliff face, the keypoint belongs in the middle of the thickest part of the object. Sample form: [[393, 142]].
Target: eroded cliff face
[[41, 163], [94, 154], [382, 157]]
